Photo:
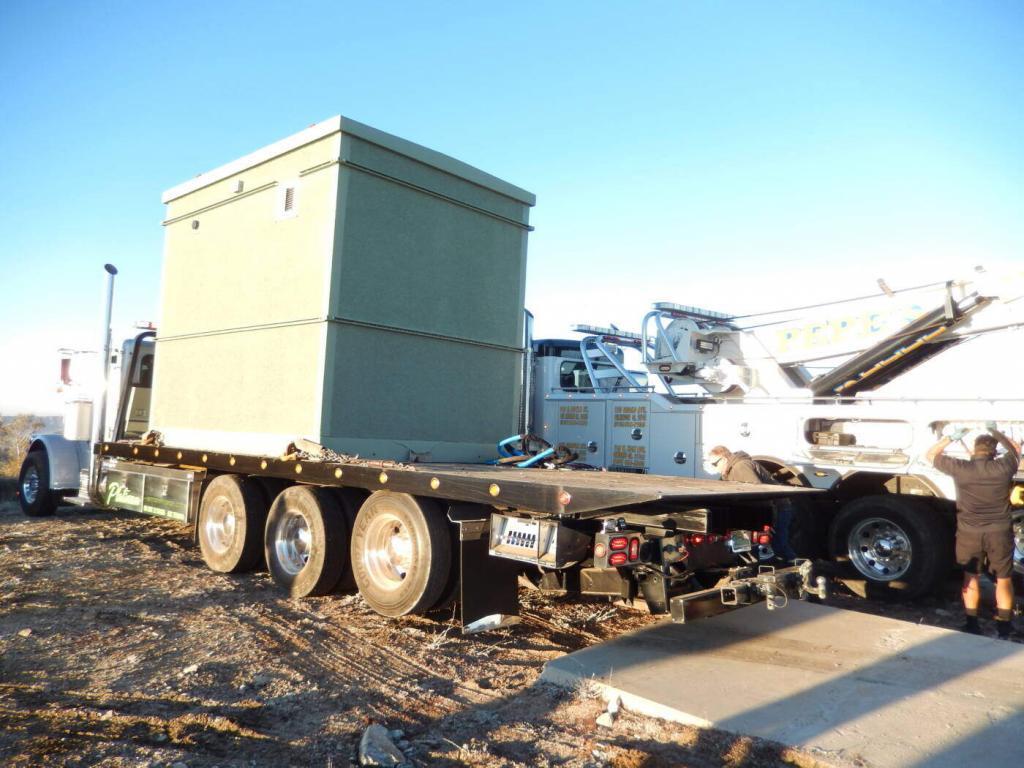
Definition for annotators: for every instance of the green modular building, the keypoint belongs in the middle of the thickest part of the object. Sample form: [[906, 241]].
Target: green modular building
[[345, 286]]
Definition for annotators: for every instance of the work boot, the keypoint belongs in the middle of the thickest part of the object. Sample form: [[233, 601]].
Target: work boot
[[971, 625], [1005, 630]]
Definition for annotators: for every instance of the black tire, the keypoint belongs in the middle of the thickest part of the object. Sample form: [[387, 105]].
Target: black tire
[[232, 514], [452, 590], [891, 547], [306, 541], [410, 578], [34, 494], [271, 487], [349, 500]]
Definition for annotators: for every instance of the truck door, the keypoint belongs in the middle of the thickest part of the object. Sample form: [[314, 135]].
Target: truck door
[[674, 444], [628, 435], [578, 424]]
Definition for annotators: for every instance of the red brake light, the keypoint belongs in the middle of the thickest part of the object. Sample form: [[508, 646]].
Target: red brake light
[[634, 549], [617, 558], [698, 538], [764, 538], [619, 542]]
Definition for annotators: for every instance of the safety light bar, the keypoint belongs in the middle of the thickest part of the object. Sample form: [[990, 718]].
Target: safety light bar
[[682, 310], [611, 334]]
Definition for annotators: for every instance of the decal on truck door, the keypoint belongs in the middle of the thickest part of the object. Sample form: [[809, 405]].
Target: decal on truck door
[[629, 457], [573, 415], [629, 416]]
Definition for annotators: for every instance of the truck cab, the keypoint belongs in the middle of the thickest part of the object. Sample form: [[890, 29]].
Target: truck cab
[[57, 466]]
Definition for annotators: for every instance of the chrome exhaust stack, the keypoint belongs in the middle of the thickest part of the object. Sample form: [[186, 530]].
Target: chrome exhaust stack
[[101, 424]]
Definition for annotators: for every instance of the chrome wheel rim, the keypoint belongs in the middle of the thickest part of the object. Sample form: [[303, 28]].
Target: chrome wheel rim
[[388, 553], [879, 549], [30, 485], [220, 526], [293, 542]]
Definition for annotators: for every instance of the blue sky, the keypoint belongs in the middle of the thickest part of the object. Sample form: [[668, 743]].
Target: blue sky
[[742, 155]]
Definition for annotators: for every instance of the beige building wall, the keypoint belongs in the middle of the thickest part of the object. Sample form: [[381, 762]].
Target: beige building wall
[[249, 263]]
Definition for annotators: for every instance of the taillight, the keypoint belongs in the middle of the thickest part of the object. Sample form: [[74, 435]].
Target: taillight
[[617, 558], [764, 538], [634, 549], [600, 550], [698, 538], [619, 542]]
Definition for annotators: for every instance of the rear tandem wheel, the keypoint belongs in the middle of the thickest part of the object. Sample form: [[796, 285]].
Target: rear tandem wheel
[[306, 540], [401, 553]]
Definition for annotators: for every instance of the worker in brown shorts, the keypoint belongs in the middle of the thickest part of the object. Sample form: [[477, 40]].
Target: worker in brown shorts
[[984, 527]]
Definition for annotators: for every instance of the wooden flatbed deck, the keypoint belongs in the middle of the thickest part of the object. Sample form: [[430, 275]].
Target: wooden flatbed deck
[[557, 492]]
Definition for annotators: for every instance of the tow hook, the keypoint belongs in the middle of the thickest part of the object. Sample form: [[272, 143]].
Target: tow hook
[[820, 590]]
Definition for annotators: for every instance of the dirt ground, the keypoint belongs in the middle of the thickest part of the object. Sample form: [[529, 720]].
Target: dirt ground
[[119, 648]]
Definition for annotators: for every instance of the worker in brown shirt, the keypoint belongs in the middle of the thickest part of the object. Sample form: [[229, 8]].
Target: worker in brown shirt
[[984, 527], [738, 467]]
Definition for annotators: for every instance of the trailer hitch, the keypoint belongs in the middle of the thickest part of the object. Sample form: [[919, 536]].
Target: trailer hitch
[[744, 586]]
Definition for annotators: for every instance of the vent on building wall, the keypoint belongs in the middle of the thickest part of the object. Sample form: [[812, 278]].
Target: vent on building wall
[[287, 199]]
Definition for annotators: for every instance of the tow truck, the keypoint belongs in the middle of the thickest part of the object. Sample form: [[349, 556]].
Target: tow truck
[[887, 519]]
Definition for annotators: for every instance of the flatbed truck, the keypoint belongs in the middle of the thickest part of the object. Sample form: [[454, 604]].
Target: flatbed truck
[[247, 418]]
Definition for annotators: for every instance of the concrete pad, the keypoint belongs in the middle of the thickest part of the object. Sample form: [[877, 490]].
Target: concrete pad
[[859, 688]]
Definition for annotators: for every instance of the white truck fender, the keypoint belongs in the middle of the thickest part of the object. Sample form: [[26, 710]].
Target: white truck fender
[[66, 459]]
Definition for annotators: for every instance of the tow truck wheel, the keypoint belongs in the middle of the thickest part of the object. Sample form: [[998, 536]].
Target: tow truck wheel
[[895, 547], [34, 494], [306, 541], [401, 553], [230, 527]]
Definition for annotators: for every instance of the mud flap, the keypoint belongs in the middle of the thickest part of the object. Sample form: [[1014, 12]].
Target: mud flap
[[488, 591]]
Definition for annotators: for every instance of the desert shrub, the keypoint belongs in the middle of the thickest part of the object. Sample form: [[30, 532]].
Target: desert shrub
[[15, 432]]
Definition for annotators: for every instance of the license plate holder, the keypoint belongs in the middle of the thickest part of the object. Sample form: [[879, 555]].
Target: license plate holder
[[740, 542]]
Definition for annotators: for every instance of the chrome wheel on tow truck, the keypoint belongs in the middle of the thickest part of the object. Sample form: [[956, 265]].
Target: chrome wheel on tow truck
[[880, 549], [897, 547]]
